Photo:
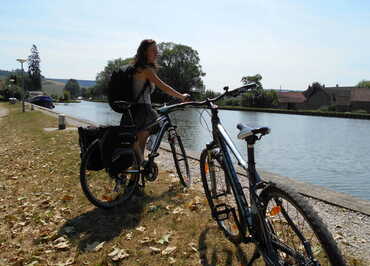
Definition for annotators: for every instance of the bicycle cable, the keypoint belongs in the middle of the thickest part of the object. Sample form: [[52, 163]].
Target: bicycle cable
[[202, 118]]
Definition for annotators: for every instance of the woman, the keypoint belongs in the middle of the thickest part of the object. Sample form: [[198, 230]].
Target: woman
[[145, 80]]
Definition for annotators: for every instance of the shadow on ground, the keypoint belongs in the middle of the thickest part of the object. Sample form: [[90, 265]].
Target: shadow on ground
[[213, 253], [100, 225]]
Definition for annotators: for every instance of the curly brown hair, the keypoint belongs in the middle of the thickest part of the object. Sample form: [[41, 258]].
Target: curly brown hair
[[141, 60]]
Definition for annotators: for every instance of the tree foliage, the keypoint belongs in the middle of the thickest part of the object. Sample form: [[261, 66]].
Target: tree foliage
[[258, 97], [255, 78], [34, 71], [179, 67], [73, 88], [364, 84], [12, 85]]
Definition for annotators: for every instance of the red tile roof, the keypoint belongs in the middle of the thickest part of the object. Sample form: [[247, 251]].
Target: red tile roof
[[290, 97]]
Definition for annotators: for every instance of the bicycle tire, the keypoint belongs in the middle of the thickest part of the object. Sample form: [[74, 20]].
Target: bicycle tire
[[180, 159], [100, 188], [221, 198], [287, 212]]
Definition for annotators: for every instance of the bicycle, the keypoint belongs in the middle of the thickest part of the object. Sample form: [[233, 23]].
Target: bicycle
[[280, 222], [106, 189]]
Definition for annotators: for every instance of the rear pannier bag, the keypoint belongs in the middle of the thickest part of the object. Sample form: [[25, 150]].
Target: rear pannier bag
[[116, 148], [87, 135]]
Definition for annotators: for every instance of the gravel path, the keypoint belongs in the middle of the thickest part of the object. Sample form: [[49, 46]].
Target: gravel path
[[3, 112], [350, 229]]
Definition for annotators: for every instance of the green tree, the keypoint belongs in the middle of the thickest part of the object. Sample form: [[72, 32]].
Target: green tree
[[34, 71], [253, 97], [179, 67], [364, 84], [73, 88], [13, 85]]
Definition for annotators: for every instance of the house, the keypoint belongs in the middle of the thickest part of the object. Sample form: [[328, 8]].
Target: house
[[291, 99], [343, 99], [360, 99], [316, 97], [340, 97]]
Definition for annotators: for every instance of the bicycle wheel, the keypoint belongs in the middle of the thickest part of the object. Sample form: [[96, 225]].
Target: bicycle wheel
[[299, 236], [220, 196], [180, 159], [104, 189]]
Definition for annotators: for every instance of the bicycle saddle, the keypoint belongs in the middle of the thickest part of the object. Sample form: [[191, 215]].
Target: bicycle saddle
[[123, 105], [246, 131]]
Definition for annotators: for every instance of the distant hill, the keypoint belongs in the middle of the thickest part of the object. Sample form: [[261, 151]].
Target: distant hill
[[52, 87], [83, 83], [4, 73]]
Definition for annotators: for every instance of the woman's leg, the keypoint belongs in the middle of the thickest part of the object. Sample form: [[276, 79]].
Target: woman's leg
[[139, 145]]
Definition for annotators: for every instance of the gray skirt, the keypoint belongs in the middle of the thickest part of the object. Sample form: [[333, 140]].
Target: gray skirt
[[143, 115]]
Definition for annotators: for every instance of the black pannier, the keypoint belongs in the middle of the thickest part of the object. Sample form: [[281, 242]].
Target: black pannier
[[88, 135], [116, 148]]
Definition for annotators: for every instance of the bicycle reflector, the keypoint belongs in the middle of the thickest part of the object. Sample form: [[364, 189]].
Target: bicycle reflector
[[275, 210], [206, 168]]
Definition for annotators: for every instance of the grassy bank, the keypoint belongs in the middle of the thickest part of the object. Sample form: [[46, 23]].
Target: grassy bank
[[46, 220]]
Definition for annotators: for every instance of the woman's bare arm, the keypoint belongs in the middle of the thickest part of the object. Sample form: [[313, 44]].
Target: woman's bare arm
[[153, 77]]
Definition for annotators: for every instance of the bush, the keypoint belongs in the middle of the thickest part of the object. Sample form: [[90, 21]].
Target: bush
[[324, 108], [332, 108], [231, 102], [360, 111]]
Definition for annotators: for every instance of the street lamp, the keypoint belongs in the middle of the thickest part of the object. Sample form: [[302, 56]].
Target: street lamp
[[20, 60]]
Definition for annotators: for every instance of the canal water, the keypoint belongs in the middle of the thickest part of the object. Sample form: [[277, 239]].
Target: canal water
[[326, 151]]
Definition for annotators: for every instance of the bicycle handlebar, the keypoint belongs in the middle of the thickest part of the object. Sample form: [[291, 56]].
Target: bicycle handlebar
[[227, 92]]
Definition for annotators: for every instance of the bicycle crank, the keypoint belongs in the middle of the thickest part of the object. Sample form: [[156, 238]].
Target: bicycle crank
[[150, 171]]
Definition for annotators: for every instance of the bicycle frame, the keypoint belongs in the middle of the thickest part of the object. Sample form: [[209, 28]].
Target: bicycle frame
[[251, 215], [166, 125]]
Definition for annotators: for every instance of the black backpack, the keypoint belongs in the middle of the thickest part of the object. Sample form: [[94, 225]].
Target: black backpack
[[120, 88]]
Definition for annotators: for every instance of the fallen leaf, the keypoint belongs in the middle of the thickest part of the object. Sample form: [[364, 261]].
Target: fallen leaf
[[168, 250], [140, 228], [164, 239], [155, 250], [178, 210], [95, 246], [129, 236], [118, 254], [145, 240], [192, 245], [67, 198], [62, 245], [171, 260]]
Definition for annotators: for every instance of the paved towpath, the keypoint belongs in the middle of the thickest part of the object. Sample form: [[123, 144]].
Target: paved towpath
[[3, 112]]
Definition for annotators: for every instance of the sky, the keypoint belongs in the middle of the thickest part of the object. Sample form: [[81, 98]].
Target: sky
[[290, 43]]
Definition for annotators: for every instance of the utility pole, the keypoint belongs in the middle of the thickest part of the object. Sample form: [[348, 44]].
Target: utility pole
[[20, 60]]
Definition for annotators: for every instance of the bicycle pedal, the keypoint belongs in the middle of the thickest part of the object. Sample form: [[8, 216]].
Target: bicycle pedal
[[221, 212], [219, 195]]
